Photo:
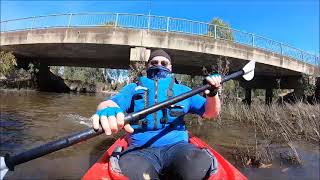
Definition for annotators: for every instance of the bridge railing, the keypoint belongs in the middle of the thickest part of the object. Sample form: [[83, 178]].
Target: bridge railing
[[159, 23]]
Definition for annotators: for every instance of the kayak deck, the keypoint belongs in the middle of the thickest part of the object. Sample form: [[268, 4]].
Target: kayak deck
[[102, 168]]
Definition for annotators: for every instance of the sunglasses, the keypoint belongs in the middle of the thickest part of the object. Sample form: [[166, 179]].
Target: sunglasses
[[156, 62]]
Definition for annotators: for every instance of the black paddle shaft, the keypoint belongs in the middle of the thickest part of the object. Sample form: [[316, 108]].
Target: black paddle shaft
[[90, 133]]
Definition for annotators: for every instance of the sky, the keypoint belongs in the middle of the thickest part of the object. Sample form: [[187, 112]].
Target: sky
[[293, 22]]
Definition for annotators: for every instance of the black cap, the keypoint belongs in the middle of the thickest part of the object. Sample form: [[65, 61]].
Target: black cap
[[159, 52]]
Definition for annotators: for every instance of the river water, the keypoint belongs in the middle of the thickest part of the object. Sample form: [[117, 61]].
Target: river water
[[30, 118]]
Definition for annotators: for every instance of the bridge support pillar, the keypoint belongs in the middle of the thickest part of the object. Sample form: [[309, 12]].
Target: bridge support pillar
[[248, 94], [47, 81], [138, 58], [299, 88], [43, 77], [317, 90], [269, 94], [139, 54]]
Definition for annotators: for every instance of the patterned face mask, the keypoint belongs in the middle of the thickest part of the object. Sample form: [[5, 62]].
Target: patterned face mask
[[157, 72]]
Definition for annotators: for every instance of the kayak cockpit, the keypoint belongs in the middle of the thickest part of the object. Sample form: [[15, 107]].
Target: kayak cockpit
[[107, 167]]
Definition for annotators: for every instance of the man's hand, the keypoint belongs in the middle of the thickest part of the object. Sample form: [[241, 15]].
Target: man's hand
[[111, 120], [214, 80]]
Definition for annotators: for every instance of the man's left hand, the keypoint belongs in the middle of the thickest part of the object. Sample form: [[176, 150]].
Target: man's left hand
[[214, 80]]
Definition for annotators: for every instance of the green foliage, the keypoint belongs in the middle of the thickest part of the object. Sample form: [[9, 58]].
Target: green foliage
[[183, 79], [231, 88], [55, 69], [221, 67], [310, 90], [137, 69], [33, 68], [188, 80], [222, 28], [308, 87], [7, 61], [116, 75], [84, 74], [258, 92]]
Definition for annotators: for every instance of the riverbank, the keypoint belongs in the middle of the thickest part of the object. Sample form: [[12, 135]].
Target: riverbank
[[49, 81], [271, 136], [60, 86], [34, 91]]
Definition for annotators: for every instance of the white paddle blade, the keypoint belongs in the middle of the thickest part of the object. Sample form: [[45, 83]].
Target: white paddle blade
[[3, 168], [3, 172], [249, 70]]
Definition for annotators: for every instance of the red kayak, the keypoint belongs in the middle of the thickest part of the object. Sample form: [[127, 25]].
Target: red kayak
[[103, 168]]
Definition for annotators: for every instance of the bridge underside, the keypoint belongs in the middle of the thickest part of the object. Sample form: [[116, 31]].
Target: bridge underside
[[118, 57]]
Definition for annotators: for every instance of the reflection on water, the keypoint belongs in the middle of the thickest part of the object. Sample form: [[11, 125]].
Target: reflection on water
[[32, 118]]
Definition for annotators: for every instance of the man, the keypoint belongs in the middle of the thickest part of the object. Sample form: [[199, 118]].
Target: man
[[158, 144]]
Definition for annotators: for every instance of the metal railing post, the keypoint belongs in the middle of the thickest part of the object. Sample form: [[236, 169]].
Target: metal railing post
[[5, 26], [252, 40], [149, 19], [215, 31], [32, 24], [302, 55], [69, 22], [168, 19], [281, 49], [116, 23]]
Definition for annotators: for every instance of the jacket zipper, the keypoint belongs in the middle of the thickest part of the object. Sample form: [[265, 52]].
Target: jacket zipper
[[155, 102]]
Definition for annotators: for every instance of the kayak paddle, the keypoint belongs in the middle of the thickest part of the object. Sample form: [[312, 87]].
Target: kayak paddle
[[8, 162]]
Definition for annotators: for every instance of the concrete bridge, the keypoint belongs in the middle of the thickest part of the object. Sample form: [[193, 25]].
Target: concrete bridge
[[117, 44]]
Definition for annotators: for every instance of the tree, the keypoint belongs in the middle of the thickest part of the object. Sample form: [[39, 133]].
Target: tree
[[7, 61], [223, 30], [84, 74], [116, 75], [137, 69], [55, 70]]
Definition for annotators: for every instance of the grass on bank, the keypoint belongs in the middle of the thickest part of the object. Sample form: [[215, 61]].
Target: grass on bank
[[269, 127]]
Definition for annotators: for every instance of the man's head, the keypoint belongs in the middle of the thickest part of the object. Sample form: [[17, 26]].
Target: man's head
[[161, 58], [159, 65]]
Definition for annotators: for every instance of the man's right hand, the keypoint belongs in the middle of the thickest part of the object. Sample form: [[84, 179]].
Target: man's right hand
[[111, 120]]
